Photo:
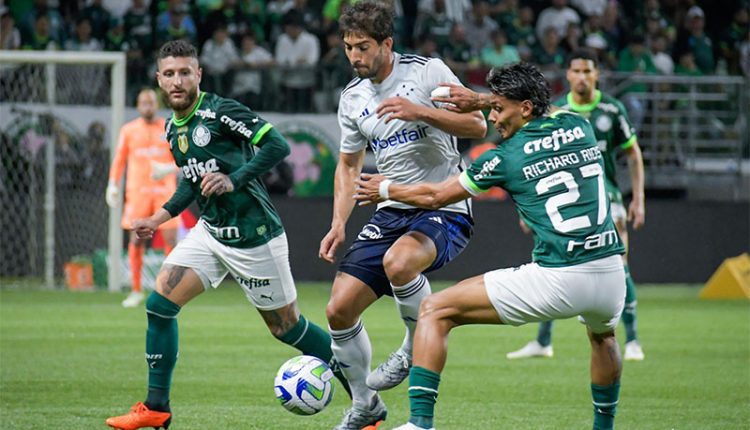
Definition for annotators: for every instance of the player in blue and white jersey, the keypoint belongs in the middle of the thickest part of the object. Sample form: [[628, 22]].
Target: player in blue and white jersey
[[551, 167], [388, 108]]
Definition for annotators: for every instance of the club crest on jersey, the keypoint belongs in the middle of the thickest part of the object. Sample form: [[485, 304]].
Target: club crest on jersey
[[182, 143], [201, 135], [194, 169], [604, 123]]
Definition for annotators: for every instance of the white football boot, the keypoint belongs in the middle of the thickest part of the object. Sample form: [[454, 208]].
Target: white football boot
[[532, 349], [132, 300], [410, 426], [633, 351], [390, 373], [358, 418]]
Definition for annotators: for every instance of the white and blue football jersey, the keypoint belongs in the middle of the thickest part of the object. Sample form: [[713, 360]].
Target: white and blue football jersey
[[405, 152]]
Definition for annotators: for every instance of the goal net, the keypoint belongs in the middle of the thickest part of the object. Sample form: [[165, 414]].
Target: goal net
[[60, 113]]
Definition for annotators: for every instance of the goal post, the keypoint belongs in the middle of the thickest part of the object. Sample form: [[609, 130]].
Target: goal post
[[20, 92]]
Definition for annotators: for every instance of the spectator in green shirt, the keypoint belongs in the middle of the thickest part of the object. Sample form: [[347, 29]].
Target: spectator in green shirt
[[637, 59], [499, 53], [694, 39]]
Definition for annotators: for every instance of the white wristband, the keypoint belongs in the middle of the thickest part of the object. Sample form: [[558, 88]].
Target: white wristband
[[383, 189]]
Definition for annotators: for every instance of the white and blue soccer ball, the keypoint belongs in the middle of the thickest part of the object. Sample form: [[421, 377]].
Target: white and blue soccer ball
[[304, 385]]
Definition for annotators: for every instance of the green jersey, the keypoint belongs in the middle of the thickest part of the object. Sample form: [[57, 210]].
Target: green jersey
[[612, 129], [554, 172], [221, 135]]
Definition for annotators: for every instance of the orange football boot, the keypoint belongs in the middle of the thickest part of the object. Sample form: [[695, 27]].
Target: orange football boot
[[140, 416]]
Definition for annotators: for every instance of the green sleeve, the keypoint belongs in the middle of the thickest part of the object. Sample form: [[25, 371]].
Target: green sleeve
[[625, 133], [485, 172], [272, 149], [181, 198], [240, 123]]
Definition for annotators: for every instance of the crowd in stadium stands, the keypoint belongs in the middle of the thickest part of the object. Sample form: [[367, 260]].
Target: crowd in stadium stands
[[279, 54]]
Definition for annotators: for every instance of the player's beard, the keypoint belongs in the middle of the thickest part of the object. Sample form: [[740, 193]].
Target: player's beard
[[190, 96], [584, 90], [371, 72]]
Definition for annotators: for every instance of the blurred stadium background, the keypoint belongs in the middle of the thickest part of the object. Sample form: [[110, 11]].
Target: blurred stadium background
[[70, 71]]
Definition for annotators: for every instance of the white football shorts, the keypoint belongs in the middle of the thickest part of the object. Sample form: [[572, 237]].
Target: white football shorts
[[595, 291], [263, 272]]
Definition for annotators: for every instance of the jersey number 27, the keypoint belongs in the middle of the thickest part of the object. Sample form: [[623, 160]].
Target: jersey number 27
[[554, 203]]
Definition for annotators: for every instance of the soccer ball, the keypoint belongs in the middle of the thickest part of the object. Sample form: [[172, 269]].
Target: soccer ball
[[304, 385]]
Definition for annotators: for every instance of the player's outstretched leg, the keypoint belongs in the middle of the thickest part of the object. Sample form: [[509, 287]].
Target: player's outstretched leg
[[396, 367], [352, 350], [310, 339], [539, 347], [633, 350]]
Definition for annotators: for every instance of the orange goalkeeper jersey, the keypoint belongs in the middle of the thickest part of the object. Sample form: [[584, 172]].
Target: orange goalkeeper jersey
[[139, 144]]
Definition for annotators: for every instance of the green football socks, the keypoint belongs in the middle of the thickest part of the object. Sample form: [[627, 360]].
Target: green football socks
[[605, 404], [628, 313], [161, 349], [313, 340], [544, 335], [423, 392]]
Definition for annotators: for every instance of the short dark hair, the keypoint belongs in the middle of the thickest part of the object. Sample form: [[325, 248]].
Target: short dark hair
[[177, 48], [583, 54], [521, 81], [371, 18]]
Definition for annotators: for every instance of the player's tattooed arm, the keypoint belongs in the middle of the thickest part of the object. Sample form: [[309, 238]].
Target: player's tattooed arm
[[462, 99]]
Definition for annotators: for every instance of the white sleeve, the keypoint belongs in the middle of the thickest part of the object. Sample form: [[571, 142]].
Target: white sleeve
[[312, 54], [351, 139], [436, 72], [283, 50]]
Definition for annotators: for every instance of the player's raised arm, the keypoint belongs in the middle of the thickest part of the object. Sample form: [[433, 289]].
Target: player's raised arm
[[469, 125], [458, 98], [347, 171]]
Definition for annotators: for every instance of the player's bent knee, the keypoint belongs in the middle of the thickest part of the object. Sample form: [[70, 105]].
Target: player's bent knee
[[159, 305], [602, 338], [434, 308], [339, 315], [397, 268]]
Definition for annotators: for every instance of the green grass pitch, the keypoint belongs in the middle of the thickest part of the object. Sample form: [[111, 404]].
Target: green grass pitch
[[70, 360]]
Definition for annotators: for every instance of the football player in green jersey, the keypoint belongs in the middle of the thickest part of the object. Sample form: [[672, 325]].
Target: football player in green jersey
[[222, 148], [553, 170], [613, 133]]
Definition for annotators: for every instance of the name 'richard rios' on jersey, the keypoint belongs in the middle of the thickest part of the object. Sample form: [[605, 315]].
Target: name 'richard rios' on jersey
[[406, 152]]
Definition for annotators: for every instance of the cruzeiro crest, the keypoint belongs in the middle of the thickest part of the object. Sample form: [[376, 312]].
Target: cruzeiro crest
[[201, 135]]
